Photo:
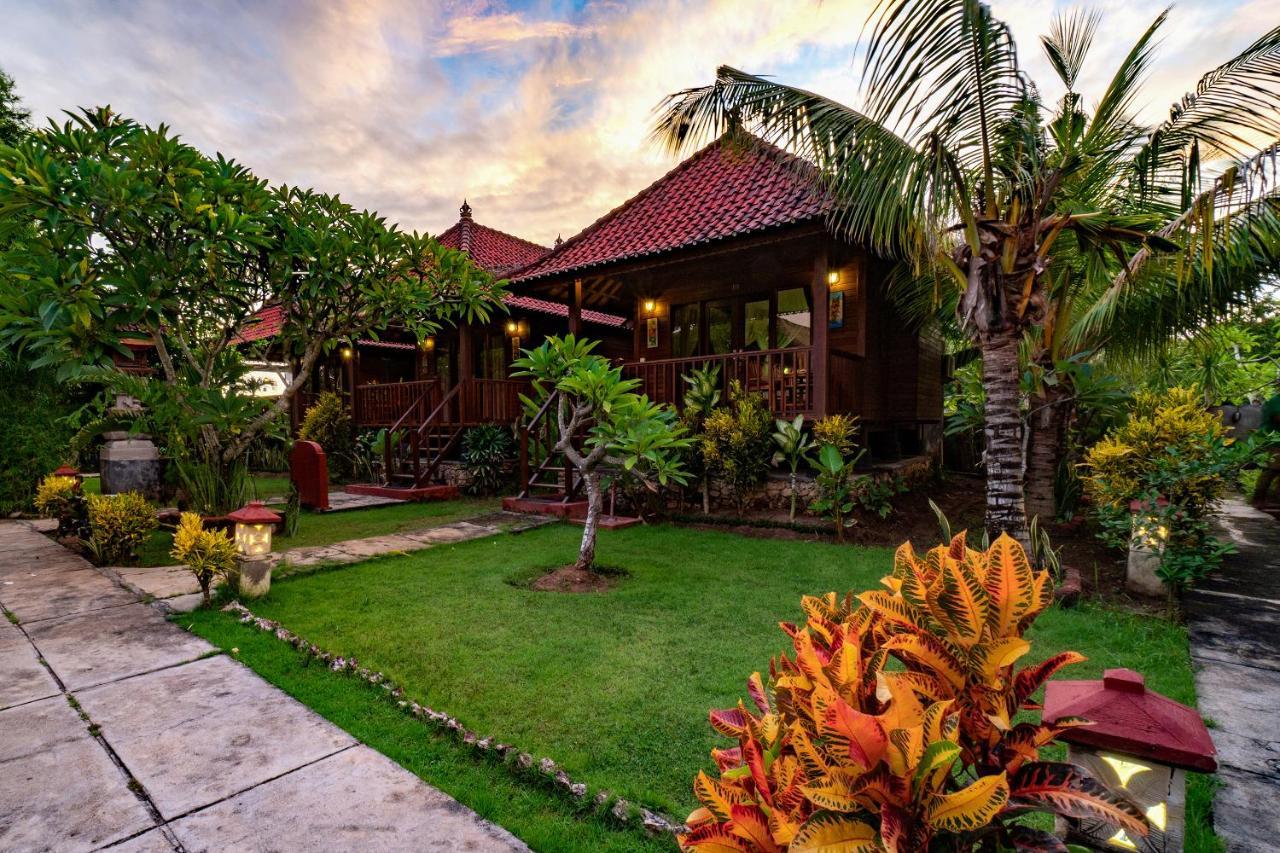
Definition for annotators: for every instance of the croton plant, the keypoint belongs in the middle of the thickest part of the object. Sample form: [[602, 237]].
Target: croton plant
[[895, 726]]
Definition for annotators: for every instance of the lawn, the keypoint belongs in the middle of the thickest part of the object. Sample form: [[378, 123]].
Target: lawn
[[615, 686], [329, 527]]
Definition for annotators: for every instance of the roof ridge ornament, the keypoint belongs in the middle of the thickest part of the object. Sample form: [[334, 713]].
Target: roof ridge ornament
[[464, 212]]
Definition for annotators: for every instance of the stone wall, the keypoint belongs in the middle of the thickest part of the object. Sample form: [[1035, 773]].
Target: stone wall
[[775, 492]]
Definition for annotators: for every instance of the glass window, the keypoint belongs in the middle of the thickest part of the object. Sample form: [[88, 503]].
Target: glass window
[[720, 326], [793, 318], [755, 324], [684, 330]]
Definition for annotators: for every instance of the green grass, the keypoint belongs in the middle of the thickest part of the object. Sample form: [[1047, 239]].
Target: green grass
[[615, 686], [330, 527]]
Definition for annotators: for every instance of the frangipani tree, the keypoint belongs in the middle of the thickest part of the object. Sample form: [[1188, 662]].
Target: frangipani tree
[[129, 233], [602, 423], [956, 166]]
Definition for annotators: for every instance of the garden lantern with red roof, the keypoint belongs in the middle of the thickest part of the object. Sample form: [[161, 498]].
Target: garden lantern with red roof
[[1141, 743], [254, 524], [70, 471]]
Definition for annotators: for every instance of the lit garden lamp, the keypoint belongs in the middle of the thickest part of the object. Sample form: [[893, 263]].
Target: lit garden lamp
[[1141, 744], [254, 525], [1146, 547], [70, 471]]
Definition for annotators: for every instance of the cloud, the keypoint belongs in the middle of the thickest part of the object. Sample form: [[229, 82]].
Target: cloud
[[538, 115]]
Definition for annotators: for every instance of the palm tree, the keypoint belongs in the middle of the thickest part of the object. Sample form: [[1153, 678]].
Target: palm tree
[[955, 167]]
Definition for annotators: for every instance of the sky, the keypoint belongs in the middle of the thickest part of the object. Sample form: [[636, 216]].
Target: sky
[[538, 113]]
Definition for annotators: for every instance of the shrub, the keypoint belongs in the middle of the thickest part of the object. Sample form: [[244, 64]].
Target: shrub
[[62, 498], [34, 432], [835, 488], [737, 443], [209, 554], [292, 511], [893, 725], [487, 452], [118, 526], [1175, 459], [793, 448], [876, 495], [836, 430], [212, 487], [328, 423]]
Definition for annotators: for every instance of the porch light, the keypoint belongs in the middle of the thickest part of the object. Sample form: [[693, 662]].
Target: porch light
[[649, 305], [512, 327], [1140, 743], [833, 277], [346, 353], [254, 525], [429, 343]]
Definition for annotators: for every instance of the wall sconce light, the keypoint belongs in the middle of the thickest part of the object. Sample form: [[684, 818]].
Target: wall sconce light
[[833, 277], [512, 327], [1145, 760], [346, 353], [649, 306], [429, 343]]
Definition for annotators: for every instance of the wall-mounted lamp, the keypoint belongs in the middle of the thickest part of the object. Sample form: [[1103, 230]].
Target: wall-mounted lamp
[[346, 353], [649, 305], [833, 277], [429, 343], [512, 327]]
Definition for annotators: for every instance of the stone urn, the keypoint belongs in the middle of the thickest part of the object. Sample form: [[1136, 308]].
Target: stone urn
[[130, 462]]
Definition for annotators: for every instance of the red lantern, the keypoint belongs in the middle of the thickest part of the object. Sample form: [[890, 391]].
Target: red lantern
[[254, 524]]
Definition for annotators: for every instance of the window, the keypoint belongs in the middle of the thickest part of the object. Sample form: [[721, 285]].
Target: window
[[720, 326], [755, 324], [684, 330], [793, 318]]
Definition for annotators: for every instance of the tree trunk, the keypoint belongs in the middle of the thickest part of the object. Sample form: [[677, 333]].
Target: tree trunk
[[706, 494], [793, 496], [1006, 507], [587, 550], [1046, 446]]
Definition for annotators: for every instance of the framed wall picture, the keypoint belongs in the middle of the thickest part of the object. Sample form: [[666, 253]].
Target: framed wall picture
[[651, 332], [835, 310]]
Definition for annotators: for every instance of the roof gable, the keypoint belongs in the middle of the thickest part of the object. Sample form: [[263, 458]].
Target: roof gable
[[494, 251], [722, 191]]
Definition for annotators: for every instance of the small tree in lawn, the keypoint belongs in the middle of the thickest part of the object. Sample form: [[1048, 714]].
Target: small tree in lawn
[[603, 423]]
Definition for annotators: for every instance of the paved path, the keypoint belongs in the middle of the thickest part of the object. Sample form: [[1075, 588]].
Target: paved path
[[1234, 619], [121, 731]]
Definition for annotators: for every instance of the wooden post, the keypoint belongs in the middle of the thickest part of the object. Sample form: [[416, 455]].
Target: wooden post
[[575, 309], [466, 368], [818, 379]]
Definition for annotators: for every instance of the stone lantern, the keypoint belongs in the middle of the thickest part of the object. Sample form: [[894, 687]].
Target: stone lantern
[[129, 462], [1146, 547], [1141, 743], [254, 526]]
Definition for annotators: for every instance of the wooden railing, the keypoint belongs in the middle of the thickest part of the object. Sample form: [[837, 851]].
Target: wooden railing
[[782, 376], [384, 405]]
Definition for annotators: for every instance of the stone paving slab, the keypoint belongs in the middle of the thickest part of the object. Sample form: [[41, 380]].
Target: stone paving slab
[[157, 581], [377, 545], [22, 677], [355, 800], [148, 842], [94, 648], [35, 597], [58, 788], [199, 733]]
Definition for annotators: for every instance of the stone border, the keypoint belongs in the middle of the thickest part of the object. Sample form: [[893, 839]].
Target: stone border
[[654, 823]]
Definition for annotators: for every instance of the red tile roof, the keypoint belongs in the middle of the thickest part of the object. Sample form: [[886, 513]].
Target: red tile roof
[[493, 250], [720, 192], [265, 323], [546, 306]]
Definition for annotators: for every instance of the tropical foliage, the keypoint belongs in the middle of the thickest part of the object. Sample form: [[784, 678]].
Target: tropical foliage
[[118, 527], [209, 554], [327, 422], [794, 446], [737, 444], [487, 454], [835, 482], [1068, 228], [1174, 461], [61, 498], [701, 397], [601, 421], [838, 430], [894, 724], [112, 232]]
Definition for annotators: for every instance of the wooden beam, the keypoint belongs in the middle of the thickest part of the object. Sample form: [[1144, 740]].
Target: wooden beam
[[575, 309], [818, 323], [466, 353]]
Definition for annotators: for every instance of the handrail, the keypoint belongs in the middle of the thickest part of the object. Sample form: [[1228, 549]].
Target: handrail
[[720, 356], [525, 430], [784, 376]]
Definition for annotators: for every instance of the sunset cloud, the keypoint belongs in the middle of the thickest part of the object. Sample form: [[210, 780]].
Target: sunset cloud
[[537, 113]]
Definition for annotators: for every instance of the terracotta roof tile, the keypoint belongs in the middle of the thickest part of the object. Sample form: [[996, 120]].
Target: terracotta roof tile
[[265, 323], [720, 192], [559, 309], [493, 250]]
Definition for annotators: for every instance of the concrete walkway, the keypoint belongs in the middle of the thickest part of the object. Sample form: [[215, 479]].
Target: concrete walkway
[[1234, 619], [121, 731]]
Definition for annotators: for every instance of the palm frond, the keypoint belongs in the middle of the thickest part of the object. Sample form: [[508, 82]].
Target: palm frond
[[1067, 43]]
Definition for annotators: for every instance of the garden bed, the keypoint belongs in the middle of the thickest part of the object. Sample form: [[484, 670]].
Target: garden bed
[[615, 686]]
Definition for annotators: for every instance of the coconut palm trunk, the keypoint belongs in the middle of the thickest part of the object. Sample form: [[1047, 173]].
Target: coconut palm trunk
[[1006, 509], [1046, 448]]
